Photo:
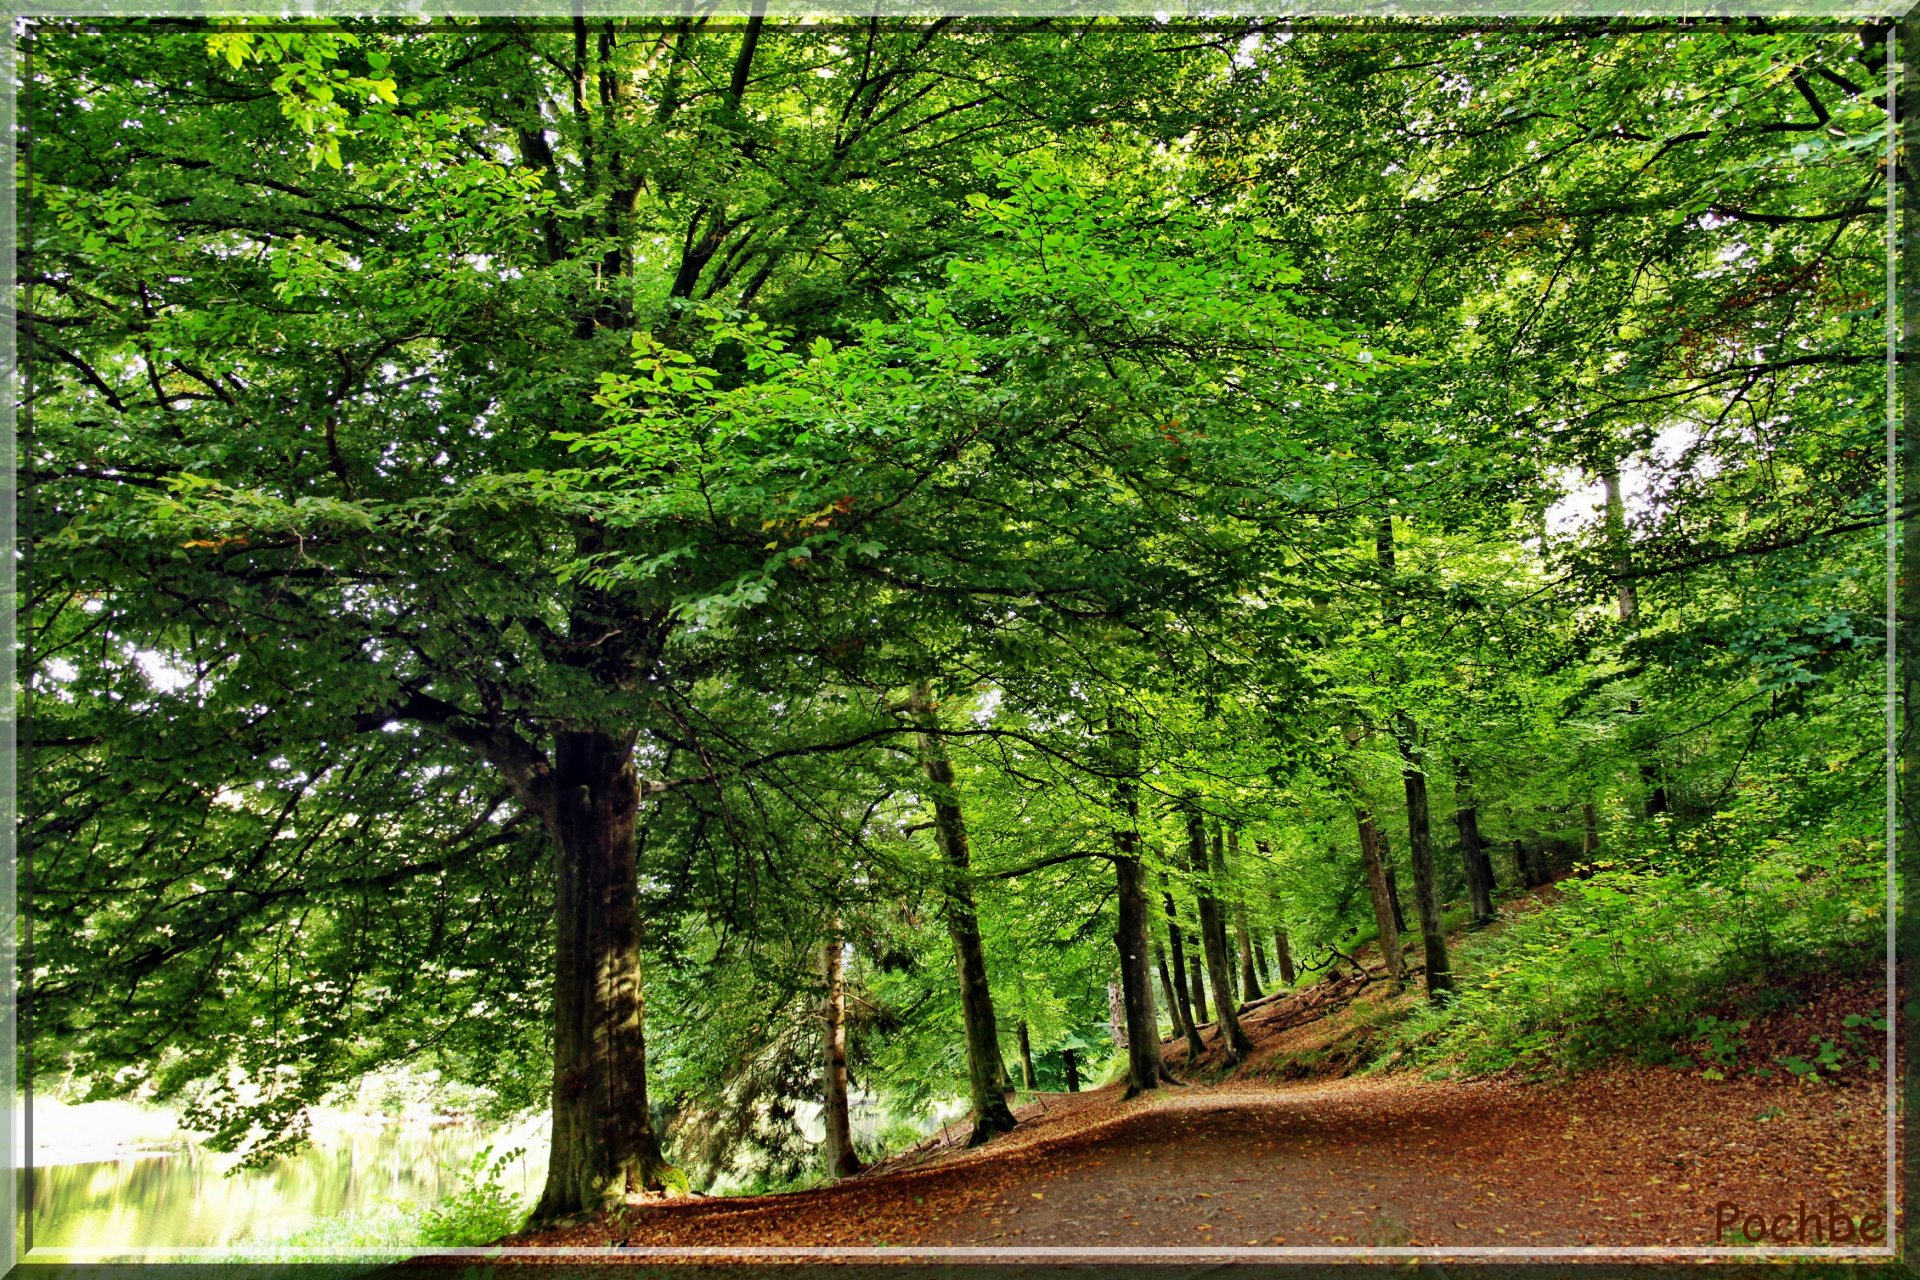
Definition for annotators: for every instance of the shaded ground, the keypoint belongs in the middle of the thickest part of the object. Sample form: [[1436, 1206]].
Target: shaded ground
[[1638, 1156]]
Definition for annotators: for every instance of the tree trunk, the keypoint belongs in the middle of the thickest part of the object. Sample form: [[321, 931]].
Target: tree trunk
[[1197, 983], [1393, 885], [1249, 977], [986, 1070], [1590, 845], [1283, 956], [1213, 938], [1260, 965], [1167, 993], [1144, 1066], [1070, 1065], [1480, 883], [841, 1160], [1426, 896], [1027, 1079], [1116, 1015], [603, 1145], [1176, 950], [1383, 898], [1532, 868]]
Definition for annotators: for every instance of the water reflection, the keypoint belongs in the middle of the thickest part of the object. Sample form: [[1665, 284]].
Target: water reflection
[[188, 1198]]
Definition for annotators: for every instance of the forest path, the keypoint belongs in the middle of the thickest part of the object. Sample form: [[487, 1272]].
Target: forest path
[[1634, 1157]]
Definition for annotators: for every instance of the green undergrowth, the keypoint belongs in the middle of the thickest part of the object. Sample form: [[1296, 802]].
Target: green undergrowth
[[479, 1212], [1651, 965]]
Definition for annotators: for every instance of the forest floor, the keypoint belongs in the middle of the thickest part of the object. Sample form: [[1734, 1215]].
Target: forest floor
[[1290, 1151]]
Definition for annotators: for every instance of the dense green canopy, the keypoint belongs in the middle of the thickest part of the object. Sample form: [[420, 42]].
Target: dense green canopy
[[511, 498]]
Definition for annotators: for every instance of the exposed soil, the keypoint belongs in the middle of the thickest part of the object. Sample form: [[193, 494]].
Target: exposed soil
[[1625, 1157]]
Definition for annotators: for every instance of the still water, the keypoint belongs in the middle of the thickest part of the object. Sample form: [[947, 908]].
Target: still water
[[189, 1199]]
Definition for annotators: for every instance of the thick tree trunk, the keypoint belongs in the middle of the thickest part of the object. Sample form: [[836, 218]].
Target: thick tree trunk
[[1116, 1015], [1176, 949], [986, 1070], [1213, 938], [1070, 1065], [1383, 899], [1426, 896], [1144, 1067], [603, 1145], [1480, 883], [1027, 1078], [841, 1160]]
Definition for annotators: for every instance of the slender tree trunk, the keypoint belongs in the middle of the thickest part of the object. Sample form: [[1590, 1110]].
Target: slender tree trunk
[[1249, 977], [1189, 1027], [1116, 1015], [1283, 956], [1249, 980], [986, 1070], [1027, 1078], [1070, 1065], [841, 1160], [603, 1145], [1426, 896], [1197, 983], [1260, 964], [1393, 885], [1167, 995], [1213, 937], [1144, 1065], [1413, 779], [1382, 895], [1480, 884], [1590, 845]]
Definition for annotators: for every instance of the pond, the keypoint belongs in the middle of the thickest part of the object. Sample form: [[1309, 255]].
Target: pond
[[188, 1197]]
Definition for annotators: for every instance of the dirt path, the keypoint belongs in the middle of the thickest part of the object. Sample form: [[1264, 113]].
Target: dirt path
[[1639, 1158]]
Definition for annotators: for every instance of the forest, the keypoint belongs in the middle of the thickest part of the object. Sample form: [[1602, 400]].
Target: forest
[[759, 587]]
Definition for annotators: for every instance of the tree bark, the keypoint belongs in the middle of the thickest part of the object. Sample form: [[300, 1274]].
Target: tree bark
[[1027, 1078], [841, 1160], [1426, 896], [1177, 951], [1590, 845], [603, 1145], [1167, 996], [1144, 1065], [1480, 882], [1249, 978], [1383, 899], [1070, 1065], [986, 1070], [1260, 965], [1283, 956], [1213, 937], [1393, 886], [1197, 983]]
